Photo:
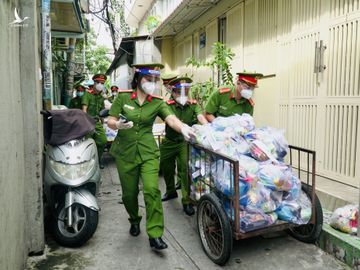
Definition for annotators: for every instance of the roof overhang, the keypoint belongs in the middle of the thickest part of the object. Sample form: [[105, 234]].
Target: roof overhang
[[137, 10], [186, 13], [66, 18], [127, 46]]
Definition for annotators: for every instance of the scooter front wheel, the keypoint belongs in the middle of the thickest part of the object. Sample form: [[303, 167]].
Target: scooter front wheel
[[84, 224]]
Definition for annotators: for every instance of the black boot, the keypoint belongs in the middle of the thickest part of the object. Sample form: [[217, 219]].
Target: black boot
[[101, 164], [170, 196], [157, 243], [189, 209], [135, 229]]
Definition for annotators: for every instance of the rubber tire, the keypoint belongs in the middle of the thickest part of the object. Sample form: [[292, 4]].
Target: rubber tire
[[212, 199], [316, 230], [86, 233]]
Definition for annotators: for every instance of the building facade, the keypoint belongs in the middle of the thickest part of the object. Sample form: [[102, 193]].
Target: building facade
[[310, 49]]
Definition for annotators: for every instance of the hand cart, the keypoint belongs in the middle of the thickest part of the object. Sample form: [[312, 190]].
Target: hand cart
[[216, 229]]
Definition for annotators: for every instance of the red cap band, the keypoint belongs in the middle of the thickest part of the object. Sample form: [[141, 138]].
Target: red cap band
[[248, 79]]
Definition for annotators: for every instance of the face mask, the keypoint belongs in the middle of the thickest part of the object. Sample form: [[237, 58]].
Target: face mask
[[114, 94], [79, 94], [149, 87], [181, 100], [246, 93], [100, 87]]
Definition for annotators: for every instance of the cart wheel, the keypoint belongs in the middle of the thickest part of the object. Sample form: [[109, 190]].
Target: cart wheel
[[214, 229], [309, 233]]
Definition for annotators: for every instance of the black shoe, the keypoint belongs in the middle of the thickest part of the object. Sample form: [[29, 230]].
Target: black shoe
[[178, 186], [102, 166], [189, 209], [135, 229], [157, 243], [170, 196]]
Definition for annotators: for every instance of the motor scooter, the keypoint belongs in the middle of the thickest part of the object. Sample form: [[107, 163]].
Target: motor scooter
[[72, 176]]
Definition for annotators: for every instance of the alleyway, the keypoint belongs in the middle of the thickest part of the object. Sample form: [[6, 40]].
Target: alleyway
[[113, 248]]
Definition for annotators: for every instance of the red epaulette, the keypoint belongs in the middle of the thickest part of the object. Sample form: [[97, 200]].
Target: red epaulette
[[252, 103], [159, 97], [170, 102], [192, 101], [126, 91], [224, 90]]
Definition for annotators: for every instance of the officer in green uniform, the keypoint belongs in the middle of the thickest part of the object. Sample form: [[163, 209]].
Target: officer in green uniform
[[135, 150], [75, 102], [166, 78], [173, 149], [230, 100], [92, 103], [114, 92]]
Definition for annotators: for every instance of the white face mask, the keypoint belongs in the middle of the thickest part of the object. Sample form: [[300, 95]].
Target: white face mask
[[181, 100], [149, 87], [79, 94], [246, 93], [100, 87]]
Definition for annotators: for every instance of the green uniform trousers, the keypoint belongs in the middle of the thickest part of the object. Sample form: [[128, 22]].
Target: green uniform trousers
[[174, 154], [129, 173], [99, 137]]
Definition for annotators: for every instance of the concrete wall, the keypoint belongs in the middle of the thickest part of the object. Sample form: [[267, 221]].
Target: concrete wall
[[20, 146]]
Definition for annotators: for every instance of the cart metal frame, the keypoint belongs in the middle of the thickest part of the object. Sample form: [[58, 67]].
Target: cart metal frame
[[234, 205]]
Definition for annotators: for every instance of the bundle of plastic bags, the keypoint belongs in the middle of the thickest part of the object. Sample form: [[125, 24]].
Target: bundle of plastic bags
[[345, 219], [268, 188]]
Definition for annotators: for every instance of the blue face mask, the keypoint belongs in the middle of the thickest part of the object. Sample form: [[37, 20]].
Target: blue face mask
[[79, 94]]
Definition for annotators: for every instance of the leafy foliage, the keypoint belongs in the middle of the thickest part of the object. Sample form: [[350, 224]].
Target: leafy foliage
[[97, 60], [151, 23], [220, 61]]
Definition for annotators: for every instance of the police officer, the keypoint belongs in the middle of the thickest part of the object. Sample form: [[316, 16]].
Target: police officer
[[173, 148], [114, 92], [135, 150], [166, 78], [75, 102], [230, 100], [92, 103]]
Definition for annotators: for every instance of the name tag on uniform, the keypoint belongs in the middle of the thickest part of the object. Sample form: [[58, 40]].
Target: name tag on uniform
[[129, 107], [223, 108]]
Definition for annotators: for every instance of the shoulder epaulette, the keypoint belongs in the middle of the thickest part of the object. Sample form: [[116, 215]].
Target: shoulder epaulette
[[126, 91], [224, 90], [159, 97], [192, 101], [170, 102]]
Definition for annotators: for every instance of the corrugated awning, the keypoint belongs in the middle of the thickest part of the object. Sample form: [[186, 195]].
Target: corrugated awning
[[66, 19], [186, 13], [127, 46]]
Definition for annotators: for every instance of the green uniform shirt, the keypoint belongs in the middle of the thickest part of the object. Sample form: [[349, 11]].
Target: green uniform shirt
[[223, 103], [94, 103], [75, 103], [139, 139], [187, 114]]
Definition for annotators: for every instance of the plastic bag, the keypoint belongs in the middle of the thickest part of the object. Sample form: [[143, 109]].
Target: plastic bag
[[253, 219], [261, 198], [345, 219], [274, 139], [223, 178], [296, 211]]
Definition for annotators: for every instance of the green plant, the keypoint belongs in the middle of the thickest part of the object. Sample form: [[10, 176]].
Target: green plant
[[151, 23], [221, 57]]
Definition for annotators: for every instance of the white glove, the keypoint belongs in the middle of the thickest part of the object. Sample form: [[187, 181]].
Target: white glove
[[121, 124], [187, 132]]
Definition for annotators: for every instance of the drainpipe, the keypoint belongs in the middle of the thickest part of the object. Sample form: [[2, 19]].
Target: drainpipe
[[46, 55], [70, 72]]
